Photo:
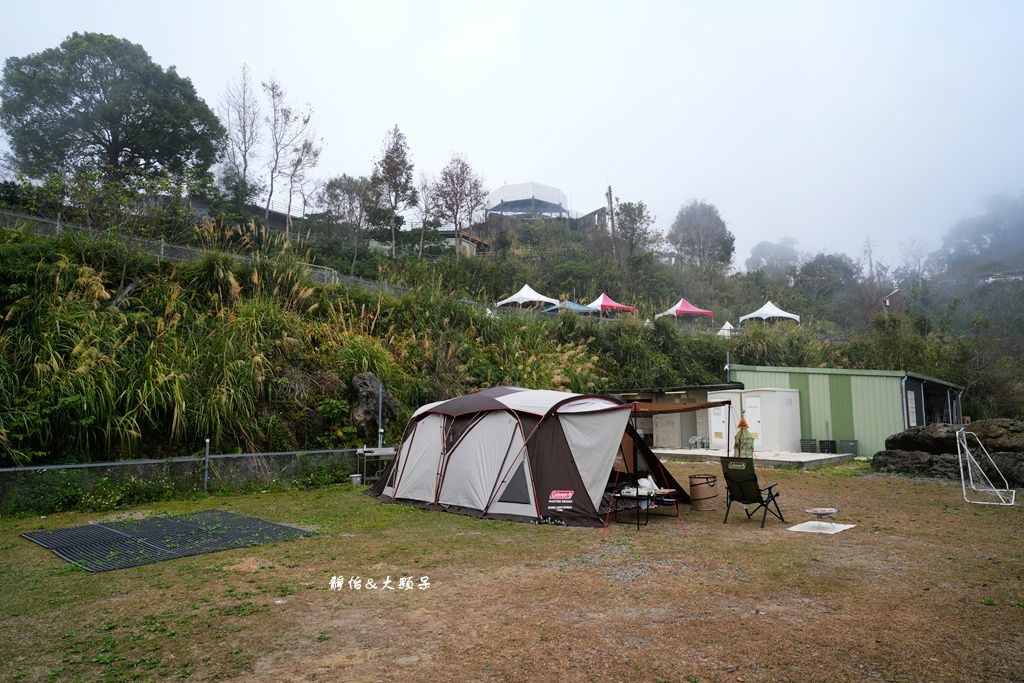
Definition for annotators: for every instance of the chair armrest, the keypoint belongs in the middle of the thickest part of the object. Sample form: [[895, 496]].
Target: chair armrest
[[770, 486]]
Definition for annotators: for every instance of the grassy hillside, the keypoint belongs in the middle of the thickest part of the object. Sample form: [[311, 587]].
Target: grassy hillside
[[107, 353]]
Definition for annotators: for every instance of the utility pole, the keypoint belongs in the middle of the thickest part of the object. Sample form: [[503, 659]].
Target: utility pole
[[380, 413], [611, 219], [871, 262]]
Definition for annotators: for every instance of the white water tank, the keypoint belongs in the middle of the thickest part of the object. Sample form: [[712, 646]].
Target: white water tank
[[773, 418]]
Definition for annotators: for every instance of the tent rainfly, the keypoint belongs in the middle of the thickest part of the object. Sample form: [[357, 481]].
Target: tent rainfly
[[527, 295], [521, 454], [769, 310], [684, 309], [606, 303]]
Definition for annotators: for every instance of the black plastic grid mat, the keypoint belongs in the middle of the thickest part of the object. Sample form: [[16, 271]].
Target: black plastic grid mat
[[132, 542]]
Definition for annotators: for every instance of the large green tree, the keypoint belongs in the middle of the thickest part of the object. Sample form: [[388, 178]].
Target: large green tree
[[347, 202], [776, 259], [99, 103], [635, 227], [823, 277], [986, 245], [392, 176], [701, 237]]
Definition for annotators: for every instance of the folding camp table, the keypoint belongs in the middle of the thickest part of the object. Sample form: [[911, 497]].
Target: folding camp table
[[649, 495]]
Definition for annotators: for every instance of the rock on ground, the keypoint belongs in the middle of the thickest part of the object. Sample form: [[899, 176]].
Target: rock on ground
[[366, 388], [1000, 434], [932, 450]]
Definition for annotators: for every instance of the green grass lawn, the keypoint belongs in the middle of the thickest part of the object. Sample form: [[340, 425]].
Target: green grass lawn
[[925, 587]]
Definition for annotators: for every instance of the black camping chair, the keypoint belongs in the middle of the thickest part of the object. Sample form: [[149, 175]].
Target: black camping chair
[[742, 487]]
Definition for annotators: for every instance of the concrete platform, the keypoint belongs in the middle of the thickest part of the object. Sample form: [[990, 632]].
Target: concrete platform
[[761, 458]]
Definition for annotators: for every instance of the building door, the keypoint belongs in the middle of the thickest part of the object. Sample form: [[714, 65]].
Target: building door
[[752, 412]]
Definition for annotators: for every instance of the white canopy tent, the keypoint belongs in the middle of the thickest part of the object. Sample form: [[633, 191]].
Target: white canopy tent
[[527, 295], [726, 330], [768, 311]]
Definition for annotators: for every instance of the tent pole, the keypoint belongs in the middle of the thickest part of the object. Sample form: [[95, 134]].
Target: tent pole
[[728, 428]]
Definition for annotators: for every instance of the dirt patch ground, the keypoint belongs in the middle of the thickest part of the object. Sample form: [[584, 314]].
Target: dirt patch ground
[[924, 588]]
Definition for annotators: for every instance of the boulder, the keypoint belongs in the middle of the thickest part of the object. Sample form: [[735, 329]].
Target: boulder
[[1000, 434], [935, 439], [947, 465], [366, 388], [916, 462], [1012, 467]]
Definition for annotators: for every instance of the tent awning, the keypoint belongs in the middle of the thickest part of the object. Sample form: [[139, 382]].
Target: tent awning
[[606, 303], [684, 308], [770, 310], [645, 409], [527, 295]]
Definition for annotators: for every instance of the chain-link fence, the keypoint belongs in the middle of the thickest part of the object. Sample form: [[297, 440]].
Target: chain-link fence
[[105, 485]]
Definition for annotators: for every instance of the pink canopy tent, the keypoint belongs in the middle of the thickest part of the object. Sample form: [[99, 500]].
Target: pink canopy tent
[[606, 303], [684, 309]]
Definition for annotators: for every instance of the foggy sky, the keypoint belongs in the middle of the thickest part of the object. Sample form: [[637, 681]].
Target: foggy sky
[[824, 121]]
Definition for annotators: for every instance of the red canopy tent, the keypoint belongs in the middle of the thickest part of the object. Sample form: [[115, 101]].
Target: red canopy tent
[[606, 303], [684, 309]]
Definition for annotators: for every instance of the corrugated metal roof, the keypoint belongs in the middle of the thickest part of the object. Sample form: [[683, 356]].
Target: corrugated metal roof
[[846, 371]]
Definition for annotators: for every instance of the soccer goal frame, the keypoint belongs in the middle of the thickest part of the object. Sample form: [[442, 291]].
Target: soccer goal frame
[[973, 479]]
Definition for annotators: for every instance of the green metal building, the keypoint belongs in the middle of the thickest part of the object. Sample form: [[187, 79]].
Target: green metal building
[[862, 405]]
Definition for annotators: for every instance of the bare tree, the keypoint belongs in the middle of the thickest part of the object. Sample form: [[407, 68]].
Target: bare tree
[[304, 157], [287, 129], [913, 261], [458, 193], [426, 207], [392, 175], [240, 114], [309, 190]]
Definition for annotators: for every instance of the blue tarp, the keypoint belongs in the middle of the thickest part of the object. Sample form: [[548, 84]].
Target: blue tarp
[[569, 306]]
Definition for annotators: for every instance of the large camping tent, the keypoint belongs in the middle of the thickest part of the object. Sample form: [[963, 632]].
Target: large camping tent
[[684, 309], [527, 295], [606, 303], [768, 311], [522, 454]]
